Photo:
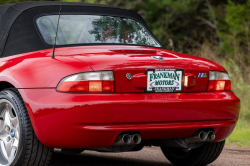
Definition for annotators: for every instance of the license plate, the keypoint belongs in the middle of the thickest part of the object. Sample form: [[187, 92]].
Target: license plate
[[164, 80]]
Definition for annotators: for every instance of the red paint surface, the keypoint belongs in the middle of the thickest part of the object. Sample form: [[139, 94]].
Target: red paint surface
[[78, 120], [38, 70], [139, 80], [85, 118]]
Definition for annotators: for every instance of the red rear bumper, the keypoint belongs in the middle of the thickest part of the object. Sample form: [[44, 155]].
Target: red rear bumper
[[64, 120]]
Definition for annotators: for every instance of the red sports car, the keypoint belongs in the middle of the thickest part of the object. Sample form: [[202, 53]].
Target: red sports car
[[80, 77]]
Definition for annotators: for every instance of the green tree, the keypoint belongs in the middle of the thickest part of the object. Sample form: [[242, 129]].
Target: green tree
[[236, 30]]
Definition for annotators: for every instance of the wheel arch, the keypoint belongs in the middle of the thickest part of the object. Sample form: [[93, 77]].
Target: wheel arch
[[5, 85], [8, 85]]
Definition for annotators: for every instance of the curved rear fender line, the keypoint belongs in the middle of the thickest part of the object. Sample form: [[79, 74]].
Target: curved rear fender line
[[5, 85], [39, 70], [8, 82]]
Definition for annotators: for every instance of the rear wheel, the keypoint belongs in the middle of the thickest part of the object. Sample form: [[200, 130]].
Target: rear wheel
[[18, 142], [203, 155]]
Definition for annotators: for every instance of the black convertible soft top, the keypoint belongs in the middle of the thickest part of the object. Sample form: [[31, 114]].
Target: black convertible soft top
[[18, 33]]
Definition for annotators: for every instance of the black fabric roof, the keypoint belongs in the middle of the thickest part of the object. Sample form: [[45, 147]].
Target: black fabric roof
[[18, 33], [27, 5]]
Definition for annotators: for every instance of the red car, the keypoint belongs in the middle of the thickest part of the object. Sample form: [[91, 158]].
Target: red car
[[80, 77]]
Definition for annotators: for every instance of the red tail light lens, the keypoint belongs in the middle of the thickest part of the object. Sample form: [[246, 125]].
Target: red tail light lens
[[88, 82], [219, 81], [108, 86], [215, 85]]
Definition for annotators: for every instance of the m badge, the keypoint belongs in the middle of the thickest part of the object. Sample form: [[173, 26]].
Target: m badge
[[202, 75]]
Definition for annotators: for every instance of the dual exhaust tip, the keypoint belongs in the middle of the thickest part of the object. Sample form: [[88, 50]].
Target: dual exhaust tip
[[201, 137], [126, 139]]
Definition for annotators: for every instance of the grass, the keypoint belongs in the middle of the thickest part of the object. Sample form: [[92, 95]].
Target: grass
[[241, 135]]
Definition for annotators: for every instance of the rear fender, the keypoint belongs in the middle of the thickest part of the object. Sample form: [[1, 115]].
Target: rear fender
[[38, 69]]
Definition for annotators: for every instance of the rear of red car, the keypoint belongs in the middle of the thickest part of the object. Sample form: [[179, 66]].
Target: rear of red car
[[145, 90], [114, 98]]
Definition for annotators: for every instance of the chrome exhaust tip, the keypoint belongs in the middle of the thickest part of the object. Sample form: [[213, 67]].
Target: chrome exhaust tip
[[123, 139], [198, 137], [211, 136], [136, 138], [126, 139], [203, 136]]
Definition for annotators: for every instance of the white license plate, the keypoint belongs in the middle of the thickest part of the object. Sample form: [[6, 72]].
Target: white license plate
[[164, 80]]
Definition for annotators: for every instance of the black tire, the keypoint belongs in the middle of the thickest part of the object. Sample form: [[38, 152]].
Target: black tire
[[203, 155], [31, 152]]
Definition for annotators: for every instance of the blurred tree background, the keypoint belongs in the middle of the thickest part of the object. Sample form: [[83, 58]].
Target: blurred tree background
[[214, 29]]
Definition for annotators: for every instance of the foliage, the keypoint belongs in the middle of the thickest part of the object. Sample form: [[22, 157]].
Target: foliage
[[236, 30], [120, 30], [240, 135]]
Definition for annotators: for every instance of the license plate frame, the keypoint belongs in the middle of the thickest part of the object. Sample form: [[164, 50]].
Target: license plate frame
[[165, 79]]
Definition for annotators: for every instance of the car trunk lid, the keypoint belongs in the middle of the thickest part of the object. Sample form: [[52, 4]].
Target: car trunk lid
[[135, 61]]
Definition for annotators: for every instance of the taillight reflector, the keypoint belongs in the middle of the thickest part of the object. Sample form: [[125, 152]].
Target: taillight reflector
[[219, 85], [108, 86]]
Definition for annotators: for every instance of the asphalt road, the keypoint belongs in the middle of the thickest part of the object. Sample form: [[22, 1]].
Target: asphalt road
[[231, 156]]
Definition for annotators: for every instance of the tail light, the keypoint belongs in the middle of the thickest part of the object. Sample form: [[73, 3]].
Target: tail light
[[88, 82], [219, 81]]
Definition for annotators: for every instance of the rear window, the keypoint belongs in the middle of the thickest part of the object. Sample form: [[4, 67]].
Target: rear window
[[90, 29]]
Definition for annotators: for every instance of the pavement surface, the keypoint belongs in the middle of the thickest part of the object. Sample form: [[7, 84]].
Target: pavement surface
[[231, 156]]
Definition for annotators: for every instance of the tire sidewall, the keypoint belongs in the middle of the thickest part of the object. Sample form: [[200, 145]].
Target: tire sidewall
[[15, 101], [203, 155]]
